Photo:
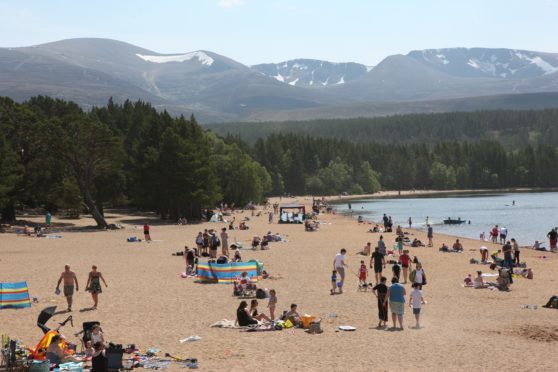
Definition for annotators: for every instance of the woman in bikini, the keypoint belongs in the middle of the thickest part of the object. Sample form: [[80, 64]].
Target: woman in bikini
[[94, 284]]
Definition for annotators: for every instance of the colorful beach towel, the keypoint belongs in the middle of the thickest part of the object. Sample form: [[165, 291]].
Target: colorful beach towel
[[14, 295], [226, 273]]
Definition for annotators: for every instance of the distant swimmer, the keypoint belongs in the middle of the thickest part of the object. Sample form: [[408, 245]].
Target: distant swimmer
[[513, 202]]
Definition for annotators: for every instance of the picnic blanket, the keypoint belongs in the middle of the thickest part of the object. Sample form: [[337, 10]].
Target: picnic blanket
[[14, 295]]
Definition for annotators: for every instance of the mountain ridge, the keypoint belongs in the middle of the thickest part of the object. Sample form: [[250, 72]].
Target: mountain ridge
[[217, 88]]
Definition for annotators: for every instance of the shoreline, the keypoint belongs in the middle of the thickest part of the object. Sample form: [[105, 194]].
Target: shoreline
[[405, 194]]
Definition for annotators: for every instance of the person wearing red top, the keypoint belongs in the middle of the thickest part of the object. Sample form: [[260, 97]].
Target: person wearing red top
[[405, 260], [494, 234], [363, 272], [146, 233]]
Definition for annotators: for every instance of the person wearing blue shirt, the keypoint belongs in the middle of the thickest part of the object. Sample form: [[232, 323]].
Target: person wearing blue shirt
[[396, 295]]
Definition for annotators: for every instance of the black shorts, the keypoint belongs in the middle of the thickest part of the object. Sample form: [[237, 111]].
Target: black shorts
[[405, 266], [378, 269]]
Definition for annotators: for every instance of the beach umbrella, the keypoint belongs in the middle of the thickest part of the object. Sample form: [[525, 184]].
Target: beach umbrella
[[44, 316]]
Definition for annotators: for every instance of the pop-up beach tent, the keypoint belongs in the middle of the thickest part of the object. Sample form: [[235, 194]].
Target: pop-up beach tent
[[14, 295], [226, 273]]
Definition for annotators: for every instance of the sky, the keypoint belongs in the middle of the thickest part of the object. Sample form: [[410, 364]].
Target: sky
[[263, 31]]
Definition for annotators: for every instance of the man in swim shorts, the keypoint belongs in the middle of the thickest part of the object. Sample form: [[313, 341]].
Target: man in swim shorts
[[69, 277]]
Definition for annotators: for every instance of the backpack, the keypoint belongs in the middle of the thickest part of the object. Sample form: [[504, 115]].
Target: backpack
[[412, 276], [260, 294]]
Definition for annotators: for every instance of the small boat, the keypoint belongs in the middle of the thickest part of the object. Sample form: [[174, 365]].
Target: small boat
[[451, 221]]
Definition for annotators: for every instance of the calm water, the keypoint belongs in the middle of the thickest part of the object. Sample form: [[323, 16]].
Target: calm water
[[532, 217]]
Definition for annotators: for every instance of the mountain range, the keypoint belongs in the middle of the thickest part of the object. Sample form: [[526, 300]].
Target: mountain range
[[216, 88]]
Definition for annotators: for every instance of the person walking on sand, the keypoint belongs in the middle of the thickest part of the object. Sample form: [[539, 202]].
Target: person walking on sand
[[94, 285], [405, 260], [396, 296], [418, 276], [416, 301], [69, 278], [430, 234], [270, 217], [382, 245], [146, 234], [378, 262], [339, 266], [380, 291]]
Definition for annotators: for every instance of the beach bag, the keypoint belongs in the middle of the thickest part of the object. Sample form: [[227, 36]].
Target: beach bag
[[288, 324], [260, 294], [412, 276]]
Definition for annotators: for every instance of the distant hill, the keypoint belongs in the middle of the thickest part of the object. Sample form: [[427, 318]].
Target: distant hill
[[218, 89]]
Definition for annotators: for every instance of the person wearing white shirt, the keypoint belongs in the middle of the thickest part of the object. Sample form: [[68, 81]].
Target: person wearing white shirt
[[339, 266], [416, 301]]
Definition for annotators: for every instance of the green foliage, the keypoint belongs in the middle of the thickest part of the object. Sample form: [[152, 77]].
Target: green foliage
[[508, 127]]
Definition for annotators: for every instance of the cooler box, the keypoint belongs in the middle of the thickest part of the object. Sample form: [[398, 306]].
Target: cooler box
[[306, 320]]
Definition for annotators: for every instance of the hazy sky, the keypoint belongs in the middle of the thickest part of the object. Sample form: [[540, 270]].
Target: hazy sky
[[257, 31]]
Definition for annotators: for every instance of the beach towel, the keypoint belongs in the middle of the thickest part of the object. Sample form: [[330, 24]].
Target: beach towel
[[14, 295], [225, 323], [226, 273]]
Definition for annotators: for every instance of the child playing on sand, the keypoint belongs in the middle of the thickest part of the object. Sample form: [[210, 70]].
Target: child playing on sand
[[416, 301], [333, 282], [272, 303], [363, 273]]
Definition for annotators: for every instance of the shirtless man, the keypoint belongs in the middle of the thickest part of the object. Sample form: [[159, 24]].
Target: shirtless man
[[69, 278]]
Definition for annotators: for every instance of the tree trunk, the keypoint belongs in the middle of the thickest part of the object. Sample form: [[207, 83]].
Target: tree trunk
[[90, 203]]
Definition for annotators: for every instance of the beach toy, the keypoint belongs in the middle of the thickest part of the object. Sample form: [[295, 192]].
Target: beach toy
[[339, 284], [57, 291], [346, 328]]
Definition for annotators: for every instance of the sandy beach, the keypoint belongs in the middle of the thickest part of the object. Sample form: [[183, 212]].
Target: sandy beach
[[148, 304]]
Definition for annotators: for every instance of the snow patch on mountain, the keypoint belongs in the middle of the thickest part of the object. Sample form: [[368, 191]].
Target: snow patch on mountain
[[202, 57]]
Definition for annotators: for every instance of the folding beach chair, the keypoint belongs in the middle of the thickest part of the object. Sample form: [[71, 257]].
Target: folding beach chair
[[86, 332]]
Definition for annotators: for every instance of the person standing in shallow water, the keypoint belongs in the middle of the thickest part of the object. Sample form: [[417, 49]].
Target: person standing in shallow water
[[94, 285], [430, 235]]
